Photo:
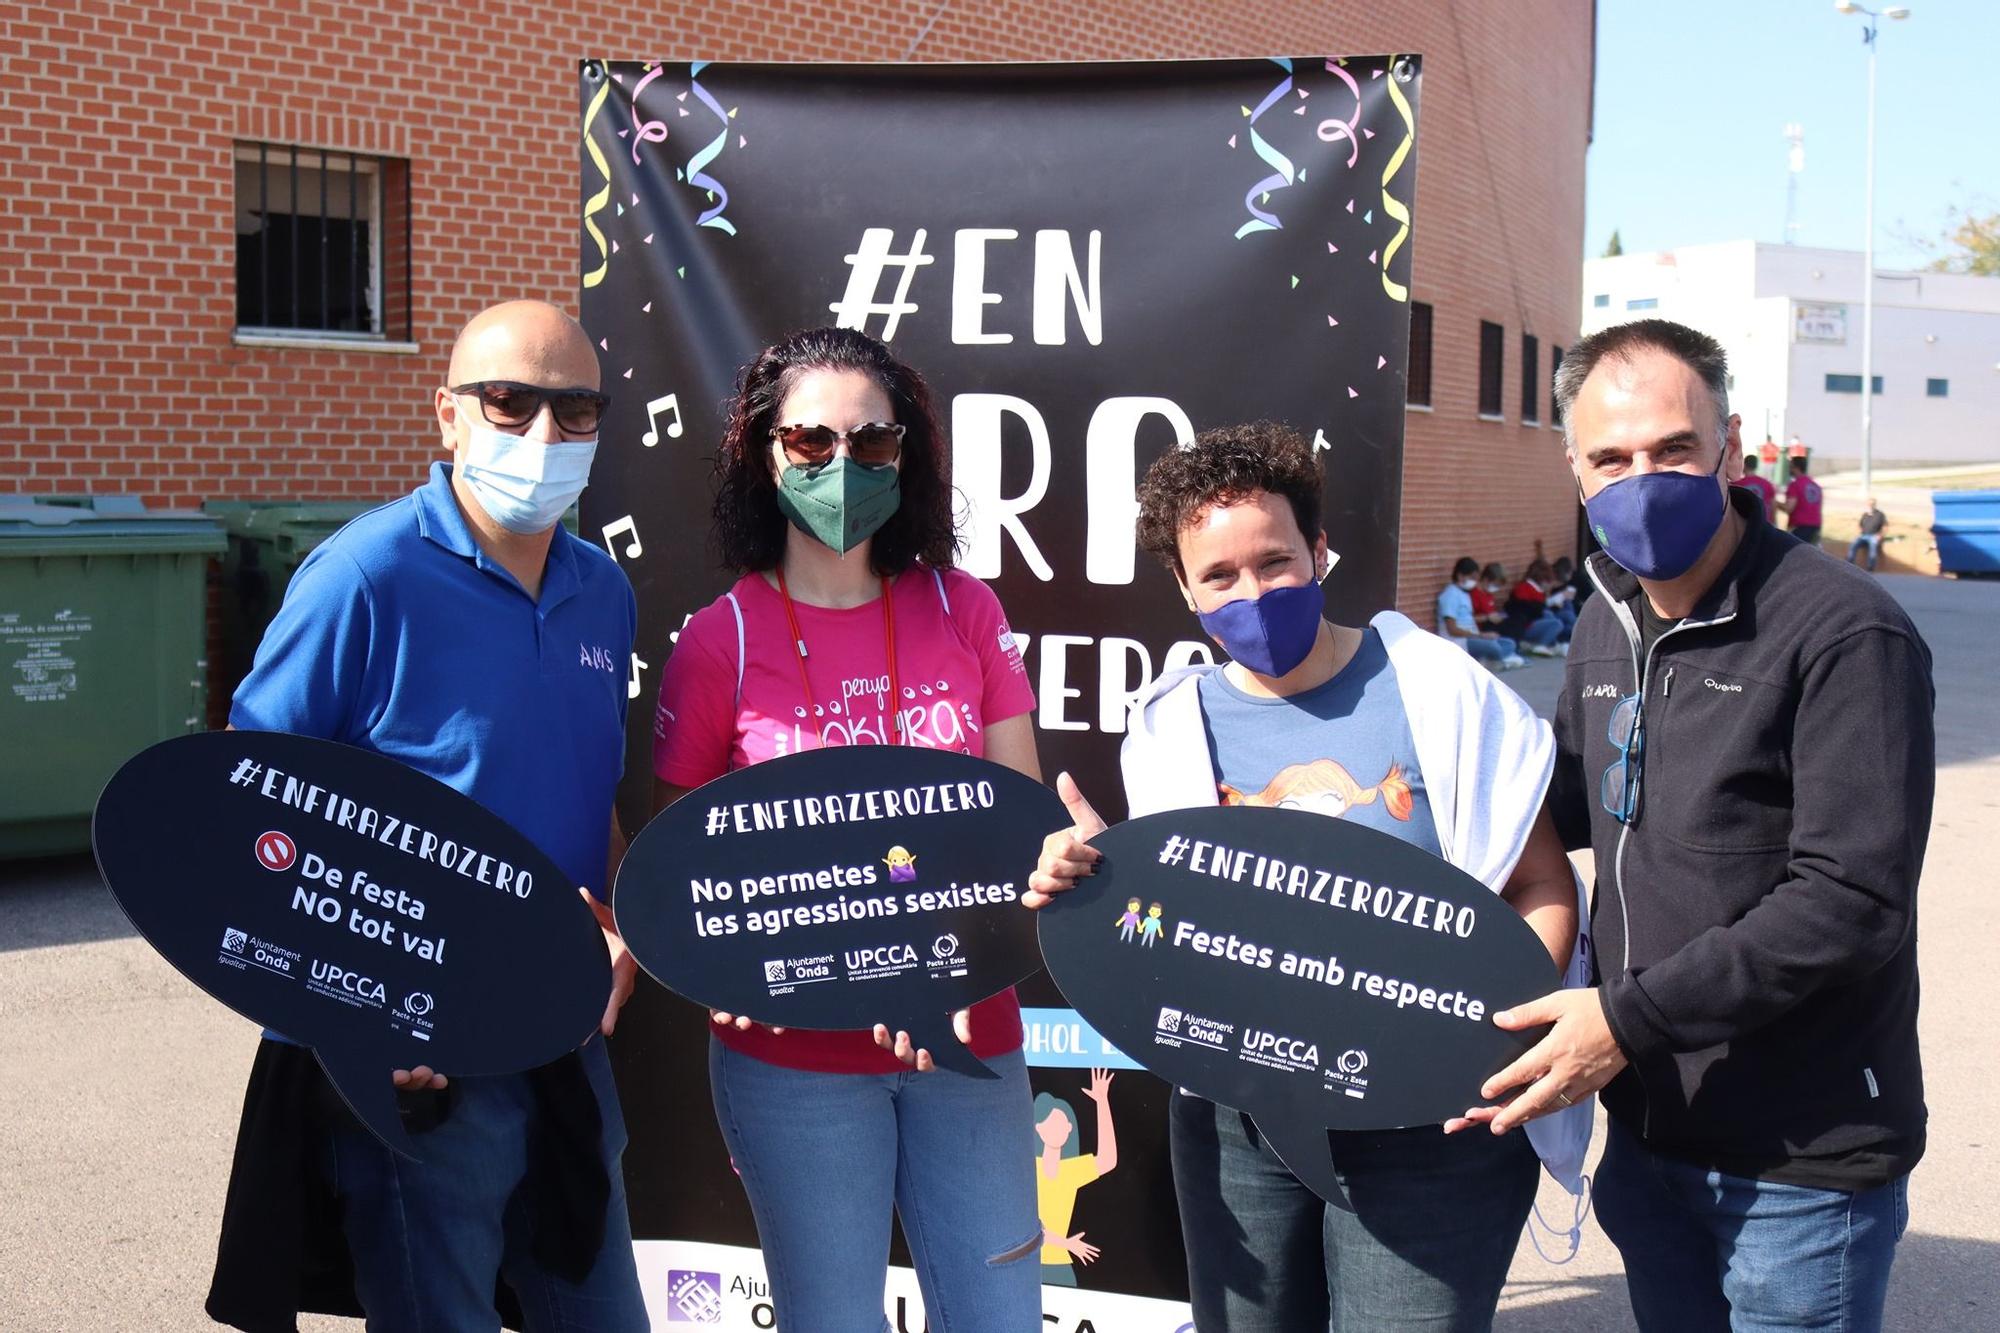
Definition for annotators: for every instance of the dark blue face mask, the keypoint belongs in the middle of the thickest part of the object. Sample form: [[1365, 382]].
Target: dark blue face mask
[[1270, 634], [1657, 524]]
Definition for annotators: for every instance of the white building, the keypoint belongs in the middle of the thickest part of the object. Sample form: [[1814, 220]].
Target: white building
[[1790, 318]]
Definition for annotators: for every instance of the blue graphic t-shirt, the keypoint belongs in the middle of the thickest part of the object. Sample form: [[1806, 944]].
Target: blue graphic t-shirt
[[1343, 749]]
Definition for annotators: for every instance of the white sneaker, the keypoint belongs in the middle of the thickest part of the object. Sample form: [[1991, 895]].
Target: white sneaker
[[1513, 662], [1562, 649], [1539, 650]]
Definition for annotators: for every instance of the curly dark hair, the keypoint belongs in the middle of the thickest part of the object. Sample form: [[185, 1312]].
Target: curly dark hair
[[749, 531], [1223, 466]]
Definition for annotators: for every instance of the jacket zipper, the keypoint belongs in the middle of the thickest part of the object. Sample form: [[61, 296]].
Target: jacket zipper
[[1641, 672]]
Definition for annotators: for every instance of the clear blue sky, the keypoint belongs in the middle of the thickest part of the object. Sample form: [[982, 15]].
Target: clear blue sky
[[1693, 97]]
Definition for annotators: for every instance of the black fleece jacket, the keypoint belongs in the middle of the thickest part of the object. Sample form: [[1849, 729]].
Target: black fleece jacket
[[1755, 925]]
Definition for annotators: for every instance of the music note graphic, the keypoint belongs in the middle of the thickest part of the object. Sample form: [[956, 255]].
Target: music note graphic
[[633, 550], [632, 687], [670, 403]]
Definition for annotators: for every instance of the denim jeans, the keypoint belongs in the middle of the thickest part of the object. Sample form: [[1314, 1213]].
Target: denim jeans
[[1871, 542], [431, 1239], [1544, 631], [1704, 1250], [824, 1157], [1436, 1222], [1489, 650]]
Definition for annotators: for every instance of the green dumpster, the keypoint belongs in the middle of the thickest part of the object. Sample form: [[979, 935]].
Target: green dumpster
[[268, 541], [102, 634]]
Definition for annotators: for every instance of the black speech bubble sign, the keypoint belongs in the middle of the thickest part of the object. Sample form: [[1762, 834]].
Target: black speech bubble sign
[[266, 869], [1247, 893], [914, 861]]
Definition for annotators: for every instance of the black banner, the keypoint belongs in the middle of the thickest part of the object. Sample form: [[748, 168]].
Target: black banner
[[1089, 263]]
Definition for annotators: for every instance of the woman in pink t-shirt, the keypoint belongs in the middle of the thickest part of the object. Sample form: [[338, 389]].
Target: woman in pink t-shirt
[[835, 503]]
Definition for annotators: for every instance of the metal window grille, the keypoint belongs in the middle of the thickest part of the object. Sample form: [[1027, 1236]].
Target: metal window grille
[[1491, 354], [1531, 383], [1417, 391], [322, 242]]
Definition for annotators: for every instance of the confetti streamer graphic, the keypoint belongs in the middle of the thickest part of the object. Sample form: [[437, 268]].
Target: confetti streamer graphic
[[596, 202], [1282, 171], [696, 176], [1334, 130], [1392, 206], [647, 131]]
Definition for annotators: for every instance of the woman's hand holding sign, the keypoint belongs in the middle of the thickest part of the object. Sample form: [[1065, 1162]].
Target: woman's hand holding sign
[[1067, 855]]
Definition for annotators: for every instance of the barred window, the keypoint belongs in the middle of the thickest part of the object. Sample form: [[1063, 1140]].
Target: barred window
[[322, 242]]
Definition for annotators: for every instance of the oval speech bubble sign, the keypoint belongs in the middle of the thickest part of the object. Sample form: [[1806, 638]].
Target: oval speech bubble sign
[[1310, 971], [355, 905], [841, 888]]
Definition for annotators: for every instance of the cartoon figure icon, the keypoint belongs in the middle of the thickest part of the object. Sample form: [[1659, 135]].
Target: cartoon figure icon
[[902, 865], [1152, 927], [1128, 921], [1062, 1168]]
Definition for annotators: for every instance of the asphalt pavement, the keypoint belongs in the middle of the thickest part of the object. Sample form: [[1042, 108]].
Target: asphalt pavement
[[120, 1083]]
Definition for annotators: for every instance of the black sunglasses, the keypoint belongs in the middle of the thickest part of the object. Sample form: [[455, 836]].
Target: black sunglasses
[[512, 404], [873, 444]]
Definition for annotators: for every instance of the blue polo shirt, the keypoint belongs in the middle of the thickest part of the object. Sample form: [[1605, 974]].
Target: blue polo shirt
[[399, 635]]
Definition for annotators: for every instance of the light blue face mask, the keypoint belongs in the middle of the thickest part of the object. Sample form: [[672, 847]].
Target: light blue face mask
[[524, 485]]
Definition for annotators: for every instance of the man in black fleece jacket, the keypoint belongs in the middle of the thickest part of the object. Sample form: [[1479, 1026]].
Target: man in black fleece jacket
[[1745, 740]]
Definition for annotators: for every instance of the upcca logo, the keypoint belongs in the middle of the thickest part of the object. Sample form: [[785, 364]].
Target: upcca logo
[[332, 976]]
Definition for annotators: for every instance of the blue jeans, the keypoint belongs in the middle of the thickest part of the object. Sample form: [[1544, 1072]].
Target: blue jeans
[[1436, 1222], [1567, 615], [430, 1240], [1704, 1250], [1488, 650], [824, 1157], [1871, 542], [1544, 631]]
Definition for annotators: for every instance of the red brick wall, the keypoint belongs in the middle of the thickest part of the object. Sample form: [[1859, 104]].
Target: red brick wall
[[117, 364]]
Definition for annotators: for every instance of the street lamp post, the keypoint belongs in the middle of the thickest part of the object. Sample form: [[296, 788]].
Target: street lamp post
[[1873, 20]]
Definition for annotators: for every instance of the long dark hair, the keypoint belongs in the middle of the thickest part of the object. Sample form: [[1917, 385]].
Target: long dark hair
[[749, 530]]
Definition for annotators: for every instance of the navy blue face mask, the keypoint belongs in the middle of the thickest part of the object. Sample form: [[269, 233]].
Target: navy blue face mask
[[1270, 634], [1657, 524]]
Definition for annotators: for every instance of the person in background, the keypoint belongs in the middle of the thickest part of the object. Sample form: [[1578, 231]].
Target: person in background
[[1457, 620], [1870, 538], [1576, 590], [1528, 620], [850, 625], [1801, 504], [1488, 595], [1765, 491]]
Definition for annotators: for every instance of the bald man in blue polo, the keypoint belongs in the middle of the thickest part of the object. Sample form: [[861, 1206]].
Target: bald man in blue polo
[[463, 632]]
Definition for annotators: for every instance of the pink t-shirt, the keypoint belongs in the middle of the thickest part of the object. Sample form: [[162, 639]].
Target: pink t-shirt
[[1765, 491], [1803, 492], [959, 671]]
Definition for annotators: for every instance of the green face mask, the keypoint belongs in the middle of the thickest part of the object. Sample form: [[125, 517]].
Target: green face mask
[[839, 503]]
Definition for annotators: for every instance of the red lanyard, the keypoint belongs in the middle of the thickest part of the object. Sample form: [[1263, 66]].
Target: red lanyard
[[889, 638]]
